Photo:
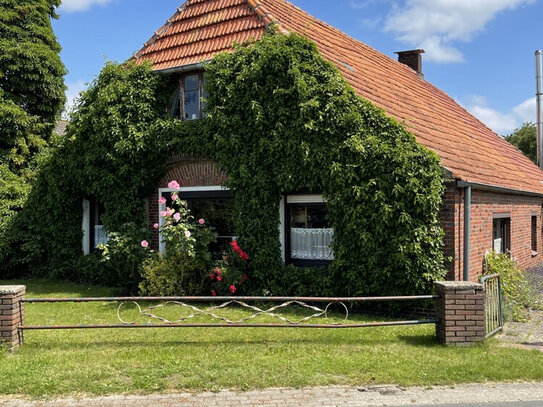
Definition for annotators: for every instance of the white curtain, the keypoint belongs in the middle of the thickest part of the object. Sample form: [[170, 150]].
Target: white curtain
[[100, 235], [311, 244]]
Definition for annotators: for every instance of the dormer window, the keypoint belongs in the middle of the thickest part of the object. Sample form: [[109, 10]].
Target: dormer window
[[189, 100]]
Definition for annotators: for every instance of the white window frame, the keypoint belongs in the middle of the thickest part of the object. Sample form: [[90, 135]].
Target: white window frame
[[293, 199], [162, 207]]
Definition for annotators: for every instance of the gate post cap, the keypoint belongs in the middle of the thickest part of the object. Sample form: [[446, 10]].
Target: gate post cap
[[458, 285], [11, 289]]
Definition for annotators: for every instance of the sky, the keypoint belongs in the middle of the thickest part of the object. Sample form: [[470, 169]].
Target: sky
[[480, 52]]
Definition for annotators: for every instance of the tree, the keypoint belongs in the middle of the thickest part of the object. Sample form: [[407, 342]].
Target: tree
[[525, 139], [31, 79]]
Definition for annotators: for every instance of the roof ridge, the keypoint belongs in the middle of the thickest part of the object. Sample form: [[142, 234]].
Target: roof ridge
[[267, 17]]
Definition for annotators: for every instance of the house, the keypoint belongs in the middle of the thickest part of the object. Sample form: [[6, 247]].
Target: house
[[494, 194]]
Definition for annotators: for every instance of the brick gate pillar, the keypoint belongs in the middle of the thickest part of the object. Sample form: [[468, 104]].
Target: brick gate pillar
[[11, 314], [460, 310]]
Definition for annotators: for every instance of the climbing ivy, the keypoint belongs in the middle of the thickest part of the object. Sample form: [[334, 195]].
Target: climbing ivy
[[280, 119]]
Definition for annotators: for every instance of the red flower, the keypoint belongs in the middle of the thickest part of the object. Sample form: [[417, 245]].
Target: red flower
[[232, 289], [213, 293], [244, 277], [212, 276], [244, 256], [219, 278]]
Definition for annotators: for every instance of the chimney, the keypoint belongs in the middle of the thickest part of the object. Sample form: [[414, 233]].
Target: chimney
[[412, 59]]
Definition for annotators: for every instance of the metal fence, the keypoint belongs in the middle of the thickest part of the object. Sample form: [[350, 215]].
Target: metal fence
[[493, 304], [211, 309]]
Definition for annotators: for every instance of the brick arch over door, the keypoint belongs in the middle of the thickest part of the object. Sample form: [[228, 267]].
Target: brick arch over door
[[188, 172]]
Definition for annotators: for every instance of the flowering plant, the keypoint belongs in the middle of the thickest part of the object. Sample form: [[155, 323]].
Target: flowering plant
[[229, 277], [186, 261]]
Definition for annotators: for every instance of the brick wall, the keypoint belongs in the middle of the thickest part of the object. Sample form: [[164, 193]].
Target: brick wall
[[188, 172], [460, 310], [484, 206], [11, 314]]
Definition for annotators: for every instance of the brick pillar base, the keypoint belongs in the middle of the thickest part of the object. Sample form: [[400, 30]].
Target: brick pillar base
[[11, 314], [460, 309]]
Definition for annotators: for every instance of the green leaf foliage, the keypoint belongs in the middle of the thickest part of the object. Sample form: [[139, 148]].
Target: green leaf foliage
[[280, 119], [525, 139]]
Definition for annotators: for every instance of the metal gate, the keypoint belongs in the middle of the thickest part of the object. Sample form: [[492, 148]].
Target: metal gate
[[493, 304], [210, 308]]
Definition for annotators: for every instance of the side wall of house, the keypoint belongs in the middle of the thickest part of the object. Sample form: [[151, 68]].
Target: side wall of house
[[485, 206], [188, 172]]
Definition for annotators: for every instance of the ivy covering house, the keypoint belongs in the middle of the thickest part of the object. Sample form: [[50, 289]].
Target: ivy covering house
[[337, 169]]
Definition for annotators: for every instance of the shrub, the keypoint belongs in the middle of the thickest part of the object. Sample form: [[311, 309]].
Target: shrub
[[185, 265], [229, 276], [516, 294]]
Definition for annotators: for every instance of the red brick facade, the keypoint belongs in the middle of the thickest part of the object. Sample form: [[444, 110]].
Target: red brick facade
[[485, 205], [189, 172], [11, 315]]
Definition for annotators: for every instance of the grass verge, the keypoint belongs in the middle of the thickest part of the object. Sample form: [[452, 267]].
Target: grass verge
[[139, 361]]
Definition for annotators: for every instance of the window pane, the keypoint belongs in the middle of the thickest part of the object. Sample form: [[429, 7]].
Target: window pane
[[191, 82], [204, 96], [534, 233], [175, 105], [310, 234], [192, 104]]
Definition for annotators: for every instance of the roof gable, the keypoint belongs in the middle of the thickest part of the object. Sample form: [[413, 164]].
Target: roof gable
[[467, 148]]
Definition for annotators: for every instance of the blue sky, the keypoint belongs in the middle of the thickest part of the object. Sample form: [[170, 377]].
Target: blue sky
[[481, 52]]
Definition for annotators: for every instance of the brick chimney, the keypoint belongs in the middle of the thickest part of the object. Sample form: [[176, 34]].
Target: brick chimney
[[412, 59]]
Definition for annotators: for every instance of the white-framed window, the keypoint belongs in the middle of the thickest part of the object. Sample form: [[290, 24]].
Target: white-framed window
[[211, 203], [94, 231], [307, 235], [188, 102]]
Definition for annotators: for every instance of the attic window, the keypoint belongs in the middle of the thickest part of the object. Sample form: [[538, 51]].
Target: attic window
[[189, 99]]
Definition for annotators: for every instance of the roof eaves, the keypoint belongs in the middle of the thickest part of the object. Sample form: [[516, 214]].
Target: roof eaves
[[497, 188]]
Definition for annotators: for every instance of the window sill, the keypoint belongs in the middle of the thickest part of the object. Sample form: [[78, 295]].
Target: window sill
[[534, 253]]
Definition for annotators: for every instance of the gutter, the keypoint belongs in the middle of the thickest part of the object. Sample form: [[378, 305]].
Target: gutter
[[494, 188], [184, 68]]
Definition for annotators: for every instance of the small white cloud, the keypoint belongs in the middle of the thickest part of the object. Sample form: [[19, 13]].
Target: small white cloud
[[72, 95], [71, 6], [526, 111], [436, 25], [502, 123]]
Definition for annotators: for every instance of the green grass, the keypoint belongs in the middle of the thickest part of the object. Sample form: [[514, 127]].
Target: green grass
[[96, 362]]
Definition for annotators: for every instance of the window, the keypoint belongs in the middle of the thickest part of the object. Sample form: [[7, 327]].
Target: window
[[188, 100], [94, 232], [501, 234], [534, 235], [213, 204], [308, 235]]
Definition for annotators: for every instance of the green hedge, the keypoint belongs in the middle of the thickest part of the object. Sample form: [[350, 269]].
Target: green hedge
[[280, 119]]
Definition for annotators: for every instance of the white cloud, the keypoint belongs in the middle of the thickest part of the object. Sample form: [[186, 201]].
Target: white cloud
[[527, 110], [502, 123], [436, 25], [71, 6], [72, 95]]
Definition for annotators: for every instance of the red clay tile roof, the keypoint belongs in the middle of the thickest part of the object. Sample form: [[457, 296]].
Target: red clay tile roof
[[467, 148]]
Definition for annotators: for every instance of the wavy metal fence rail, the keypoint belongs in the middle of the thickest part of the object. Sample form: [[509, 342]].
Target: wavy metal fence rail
[[210, 307], [493, 304]]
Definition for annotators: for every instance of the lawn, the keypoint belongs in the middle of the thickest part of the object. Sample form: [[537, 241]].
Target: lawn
[[97, 362]]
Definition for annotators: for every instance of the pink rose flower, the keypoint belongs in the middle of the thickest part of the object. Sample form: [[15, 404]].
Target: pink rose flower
[[173, 184], [177, 216], [155, 225], [232, 289], [175, 197], [144, 243], [201, 221], [162, 200], [169, 212], [163, 214], [187, 233]]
